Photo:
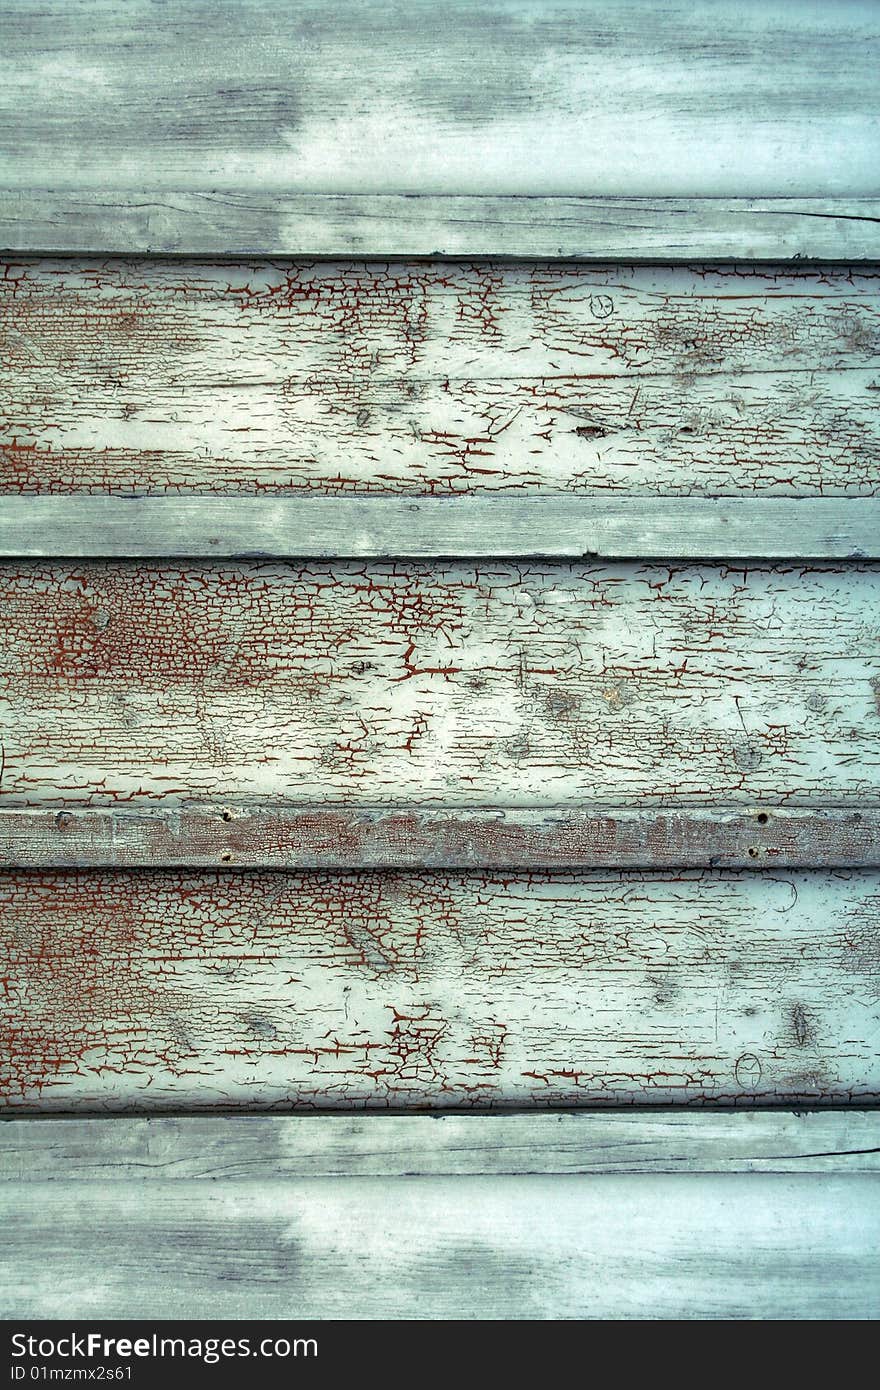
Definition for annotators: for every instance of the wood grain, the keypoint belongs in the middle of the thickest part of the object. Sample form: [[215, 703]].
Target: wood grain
[[729, 716], [279, 1148], [724, 1246], [161, 991], [758, 99], [227, 222], [731, 528], [140, 377], [333, 837], [450, 685]]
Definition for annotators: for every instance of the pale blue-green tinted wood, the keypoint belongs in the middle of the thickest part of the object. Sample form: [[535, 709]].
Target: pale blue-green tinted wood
[[721, 1246], [758, 98]]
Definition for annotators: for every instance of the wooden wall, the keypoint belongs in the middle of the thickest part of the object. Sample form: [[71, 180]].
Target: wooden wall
[[438, 536]]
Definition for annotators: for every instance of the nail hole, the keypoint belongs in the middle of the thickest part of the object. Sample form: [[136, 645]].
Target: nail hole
[[225, 858], [753, 853], [227, 815], [763, 818]]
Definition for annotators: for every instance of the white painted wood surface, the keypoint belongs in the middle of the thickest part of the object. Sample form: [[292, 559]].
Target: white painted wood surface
[[723, 1246], [163, 990], [730, 528], [650, 130], [387, 837], [260, 223], [758, 98], [452, 685], [149, 377], [277, 1148]]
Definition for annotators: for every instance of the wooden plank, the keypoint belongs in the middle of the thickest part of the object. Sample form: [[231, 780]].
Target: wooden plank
[[759, 98], [304, 323], [333, 837], [789, 433], [284, 1148], [157, 991], [440, 685], [732, 528], [261, 222], [148, 377], [767, 1246]]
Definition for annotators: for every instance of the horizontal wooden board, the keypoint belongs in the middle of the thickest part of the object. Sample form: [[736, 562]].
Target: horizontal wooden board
[[227, 222], [147, 377], [732, 528], [448, 684], [328, 837], [755, 98], [728, 1246], [279, 1148], [161, 990]]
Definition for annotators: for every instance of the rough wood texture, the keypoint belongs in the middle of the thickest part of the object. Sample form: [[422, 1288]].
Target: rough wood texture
[[761, 1246], [447, 684], [145, 377], [154, 990], [138, 690], [328, 837], [755, 98], [258, 223], [732, 528], [273, 1148]]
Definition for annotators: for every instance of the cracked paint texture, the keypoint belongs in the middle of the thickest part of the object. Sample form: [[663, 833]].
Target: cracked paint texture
[[370, 683], [159, 989], [416, 377]]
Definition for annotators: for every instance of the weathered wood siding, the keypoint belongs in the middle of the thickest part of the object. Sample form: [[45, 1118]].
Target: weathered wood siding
[[579, 1215], [723, 1246], [430, 528], [447, 683], [150, 1149], [150, 377], [440, 658], [270, 222], [299, 836], [762, 97], [165, 989]]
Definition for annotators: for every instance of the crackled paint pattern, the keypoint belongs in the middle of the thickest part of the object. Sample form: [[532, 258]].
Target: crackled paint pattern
[[160, 988], [264, 686], [458, 684], [413, 377]]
